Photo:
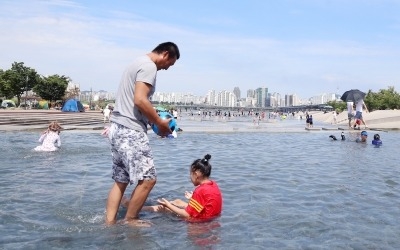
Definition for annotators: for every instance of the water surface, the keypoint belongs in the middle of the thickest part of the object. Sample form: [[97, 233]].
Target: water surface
[[281, 190]]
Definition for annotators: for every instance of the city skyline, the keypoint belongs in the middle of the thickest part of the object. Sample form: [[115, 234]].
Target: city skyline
[[259, 97], [241, 92], [305, 47]]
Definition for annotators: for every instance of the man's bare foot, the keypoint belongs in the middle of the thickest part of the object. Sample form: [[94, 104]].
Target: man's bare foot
[[156, 208], [137, 223]]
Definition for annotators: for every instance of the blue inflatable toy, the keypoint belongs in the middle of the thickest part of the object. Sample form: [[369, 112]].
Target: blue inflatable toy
[[377, 140], [172, 123]]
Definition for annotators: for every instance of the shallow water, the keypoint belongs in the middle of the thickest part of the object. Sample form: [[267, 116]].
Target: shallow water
[[281, 191]]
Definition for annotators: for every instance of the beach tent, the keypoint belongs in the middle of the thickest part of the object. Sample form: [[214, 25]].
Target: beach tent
[[73, 105], [43, 105], [8, 104]]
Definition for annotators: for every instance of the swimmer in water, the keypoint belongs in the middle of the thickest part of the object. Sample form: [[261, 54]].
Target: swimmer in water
[[363, 138], [333, 137], [377, 140]]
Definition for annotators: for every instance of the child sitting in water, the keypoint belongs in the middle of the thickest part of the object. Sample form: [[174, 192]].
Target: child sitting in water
[[50, 138], [205, 202]]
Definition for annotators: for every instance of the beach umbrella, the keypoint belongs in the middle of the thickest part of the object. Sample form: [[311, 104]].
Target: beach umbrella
[[353, 95]]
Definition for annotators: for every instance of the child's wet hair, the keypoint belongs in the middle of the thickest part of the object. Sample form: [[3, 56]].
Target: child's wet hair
[[203, 165], [54, 126]]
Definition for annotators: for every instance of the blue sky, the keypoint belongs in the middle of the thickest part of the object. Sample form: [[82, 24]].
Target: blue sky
[[303, 47]]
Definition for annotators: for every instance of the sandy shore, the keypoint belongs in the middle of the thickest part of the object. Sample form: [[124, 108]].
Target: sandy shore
[[380, 119], [11, 120]]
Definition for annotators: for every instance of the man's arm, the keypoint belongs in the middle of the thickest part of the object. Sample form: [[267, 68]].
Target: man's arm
[[142, 102]]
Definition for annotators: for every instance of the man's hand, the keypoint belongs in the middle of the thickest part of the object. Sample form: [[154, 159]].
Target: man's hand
[[164, 202], [163, 127]]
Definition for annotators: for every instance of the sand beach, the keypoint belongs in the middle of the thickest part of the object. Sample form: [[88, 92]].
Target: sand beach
[[379, 119], [13, 120]]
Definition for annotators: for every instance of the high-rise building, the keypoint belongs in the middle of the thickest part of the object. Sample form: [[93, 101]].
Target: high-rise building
[[261, 96], [236, 91], [323, 98], [211, 98], [291, 100], [251, 93]]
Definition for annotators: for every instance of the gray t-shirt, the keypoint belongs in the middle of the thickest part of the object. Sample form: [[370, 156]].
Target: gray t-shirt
[[143, 69]]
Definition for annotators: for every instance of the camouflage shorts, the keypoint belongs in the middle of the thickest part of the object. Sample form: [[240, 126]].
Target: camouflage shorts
[[132, 155]]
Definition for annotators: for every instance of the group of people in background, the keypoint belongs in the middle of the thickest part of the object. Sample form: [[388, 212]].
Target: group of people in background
[[309, 121]]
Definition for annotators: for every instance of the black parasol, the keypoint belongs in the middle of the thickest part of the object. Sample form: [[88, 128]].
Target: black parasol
[[353, 95]]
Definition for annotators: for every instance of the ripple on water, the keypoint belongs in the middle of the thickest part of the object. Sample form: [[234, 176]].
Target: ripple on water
[[280, 191]]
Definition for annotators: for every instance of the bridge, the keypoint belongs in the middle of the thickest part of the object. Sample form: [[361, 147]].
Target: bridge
[[289, 109]]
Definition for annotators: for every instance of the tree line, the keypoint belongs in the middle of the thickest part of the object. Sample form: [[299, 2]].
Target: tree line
[[19, 79]]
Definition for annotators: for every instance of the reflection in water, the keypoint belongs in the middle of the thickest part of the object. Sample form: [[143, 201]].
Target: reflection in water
[[204, 233]]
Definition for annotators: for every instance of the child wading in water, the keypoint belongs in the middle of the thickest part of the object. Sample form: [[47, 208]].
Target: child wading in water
[[50, 138], [205, 202]]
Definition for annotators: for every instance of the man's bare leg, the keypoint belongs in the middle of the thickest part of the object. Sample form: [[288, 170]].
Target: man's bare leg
[[113, 201], [364, 123], [139, 196]]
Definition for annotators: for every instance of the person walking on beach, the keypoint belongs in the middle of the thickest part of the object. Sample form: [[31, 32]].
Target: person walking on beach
[[350, 112], [334, 117], [360, 105], [106, 114], [132, 156], [50, 138], [204, 203]]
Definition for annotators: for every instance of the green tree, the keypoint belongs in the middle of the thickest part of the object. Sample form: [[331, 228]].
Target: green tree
[[384, 99], [390, 98], [17, 80], [337, 106], [51, 88], [372, 101], [3, 86]]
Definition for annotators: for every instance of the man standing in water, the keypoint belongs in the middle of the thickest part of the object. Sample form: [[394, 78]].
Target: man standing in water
[[131, 152], [350, 114]]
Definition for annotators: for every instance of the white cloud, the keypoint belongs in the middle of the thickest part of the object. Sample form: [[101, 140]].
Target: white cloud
[[94, 50]]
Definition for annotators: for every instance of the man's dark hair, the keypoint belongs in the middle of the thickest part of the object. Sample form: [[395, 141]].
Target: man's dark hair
[[171, 47]]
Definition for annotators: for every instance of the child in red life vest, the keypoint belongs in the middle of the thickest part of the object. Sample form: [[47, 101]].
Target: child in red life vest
[[357, 123], [205, 202]]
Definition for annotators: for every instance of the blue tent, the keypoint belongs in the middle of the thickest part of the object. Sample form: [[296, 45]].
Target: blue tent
[[73, 105]]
